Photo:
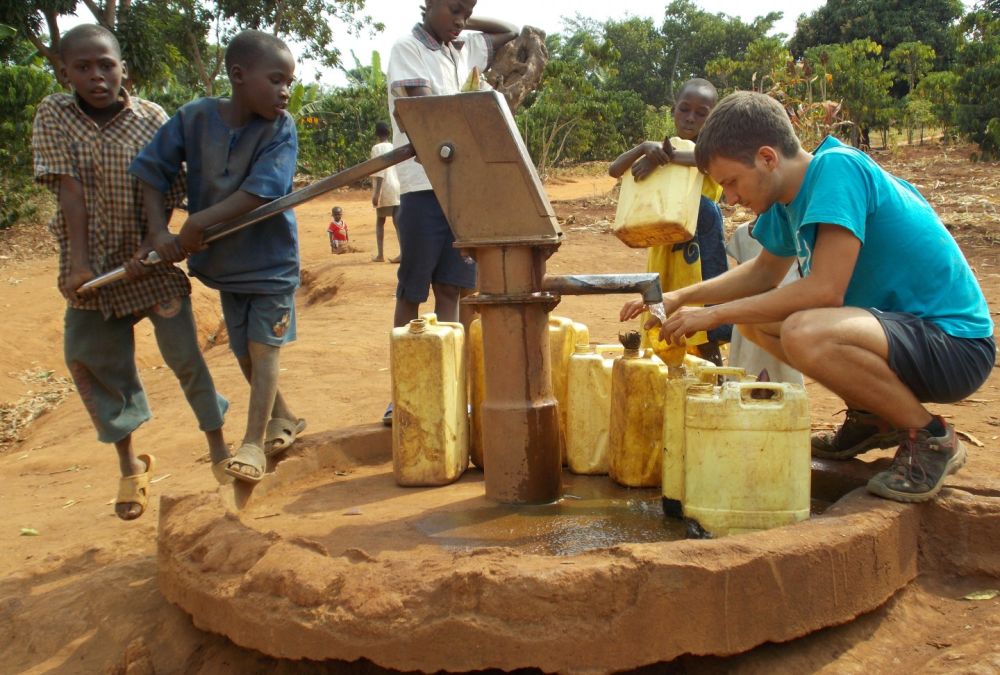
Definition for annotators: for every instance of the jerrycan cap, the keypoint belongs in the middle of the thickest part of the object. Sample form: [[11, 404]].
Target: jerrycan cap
[[631, 341], [584, 348], [418, 325]]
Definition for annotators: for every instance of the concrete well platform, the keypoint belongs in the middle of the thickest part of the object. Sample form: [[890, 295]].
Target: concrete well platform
[[329, 559]]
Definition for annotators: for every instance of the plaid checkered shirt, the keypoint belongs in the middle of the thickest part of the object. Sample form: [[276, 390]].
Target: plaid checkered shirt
[[66, 142]]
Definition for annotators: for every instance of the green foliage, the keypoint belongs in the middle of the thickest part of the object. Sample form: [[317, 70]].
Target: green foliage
[[912, 60], [889, 22], [337, 128], [640, 59], [694, 37], [309, 22], [939, 89], [22, 88], [859, 79], [163, 37], [658, 124], [575, 115], [977, 90], [151, 37]]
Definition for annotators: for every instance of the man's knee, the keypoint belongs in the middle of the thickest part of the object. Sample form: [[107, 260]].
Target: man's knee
[[802, 335]]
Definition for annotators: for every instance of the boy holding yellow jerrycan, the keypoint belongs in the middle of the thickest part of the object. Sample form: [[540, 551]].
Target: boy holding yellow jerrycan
[[700, 257]]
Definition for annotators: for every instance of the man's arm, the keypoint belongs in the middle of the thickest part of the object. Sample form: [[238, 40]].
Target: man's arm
[[834, 257], [377, 190], [74, 209]]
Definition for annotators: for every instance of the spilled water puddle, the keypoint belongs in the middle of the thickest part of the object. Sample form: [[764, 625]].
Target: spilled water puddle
[[594, 513]]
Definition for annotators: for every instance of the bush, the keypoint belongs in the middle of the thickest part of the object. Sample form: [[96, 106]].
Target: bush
[[22, 88]]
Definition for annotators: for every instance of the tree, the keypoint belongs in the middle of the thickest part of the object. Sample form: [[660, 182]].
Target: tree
[[24, 87], [939, 89], [912, 61], [859, 79], [640, 59], [156, 36], [888, 22], [977, 91], [694, 37]]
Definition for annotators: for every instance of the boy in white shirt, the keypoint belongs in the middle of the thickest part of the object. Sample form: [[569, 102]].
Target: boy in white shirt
[[432, 61]]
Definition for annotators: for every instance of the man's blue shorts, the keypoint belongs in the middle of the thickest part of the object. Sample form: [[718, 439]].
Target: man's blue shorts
[[265, 319], [427, 250]]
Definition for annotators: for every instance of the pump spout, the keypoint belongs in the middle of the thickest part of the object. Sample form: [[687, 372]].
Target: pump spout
[[598, 284]]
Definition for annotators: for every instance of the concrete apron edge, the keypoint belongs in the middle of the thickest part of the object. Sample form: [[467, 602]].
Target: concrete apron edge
[[615, 608]]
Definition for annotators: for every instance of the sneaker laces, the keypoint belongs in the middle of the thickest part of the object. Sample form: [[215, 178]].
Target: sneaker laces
[[907, 462]]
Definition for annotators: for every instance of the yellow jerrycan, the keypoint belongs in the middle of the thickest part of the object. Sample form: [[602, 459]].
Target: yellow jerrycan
[[477, 391], [564, 335], [662, 208], [588, 409], [695, 374], [430, 422], [746, 456], [638, 382]]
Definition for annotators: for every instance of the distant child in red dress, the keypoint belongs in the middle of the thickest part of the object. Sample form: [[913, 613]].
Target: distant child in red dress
[[338, 232]]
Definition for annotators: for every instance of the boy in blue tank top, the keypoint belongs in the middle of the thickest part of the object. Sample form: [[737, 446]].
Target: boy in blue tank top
[[888, 314], [240, 153]]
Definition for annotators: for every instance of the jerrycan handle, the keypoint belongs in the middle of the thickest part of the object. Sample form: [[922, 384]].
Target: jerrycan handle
[[710, 374], [757, 393]]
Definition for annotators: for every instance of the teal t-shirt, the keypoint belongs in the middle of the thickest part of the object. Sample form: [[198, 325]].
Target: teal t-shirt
[[908, 261]]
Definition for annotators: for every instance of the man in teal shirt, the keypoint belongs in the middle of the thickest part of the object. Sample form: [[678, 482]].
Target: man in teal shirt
[[888, 314]]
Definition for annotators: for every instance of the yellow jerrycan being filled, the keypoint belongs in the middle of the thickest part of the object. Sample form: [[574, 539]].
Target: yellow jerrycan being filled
[[746, 456], [430, 422], [477, 391], [662, 208], [588, 413], [564, 335], [638, 382]]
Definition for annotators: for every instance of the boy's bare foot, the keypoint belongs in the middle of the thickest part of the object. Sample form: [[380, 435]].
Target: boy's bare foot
[[248, 464], [394, 261], [133, 490], [377, 258]]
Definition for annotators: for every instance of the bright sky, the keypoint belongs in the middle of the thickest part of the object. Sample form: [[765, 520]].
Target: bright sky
[[400, 15]]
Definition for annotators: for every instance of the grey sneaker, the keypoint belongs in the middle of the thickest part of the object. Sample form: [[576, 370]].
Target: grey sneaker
[[920, 466], [860, 432]]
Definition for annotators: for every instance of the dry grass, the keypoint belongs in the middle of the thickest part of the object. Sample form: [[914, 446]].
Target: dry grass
[[48, 391]]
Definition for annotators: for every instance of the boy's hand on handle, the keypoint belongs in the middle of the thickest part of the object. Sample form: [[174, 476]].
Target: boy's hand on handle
[[631, 309], [77, 277], [191, 238], [167, 246]]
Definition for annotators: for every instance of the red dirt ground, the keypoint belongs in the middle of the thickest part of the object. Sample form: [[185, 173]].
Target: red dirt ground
[[81, 597]]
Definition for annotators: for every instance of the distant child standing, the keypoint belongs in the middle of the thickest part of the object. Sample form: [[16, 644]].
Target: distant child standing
[[83, 143], [240, 153], [431, 60], [337, 229], [385, 191], [704, 256]]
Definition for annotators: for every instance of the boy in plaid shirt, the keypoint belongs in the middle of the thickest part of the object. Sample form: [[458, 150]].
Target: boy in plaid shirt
[[83, 144]]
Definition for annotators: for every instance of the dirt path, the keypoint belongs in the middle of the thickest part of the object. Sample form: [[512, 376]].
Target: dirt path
[[73, 598]]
